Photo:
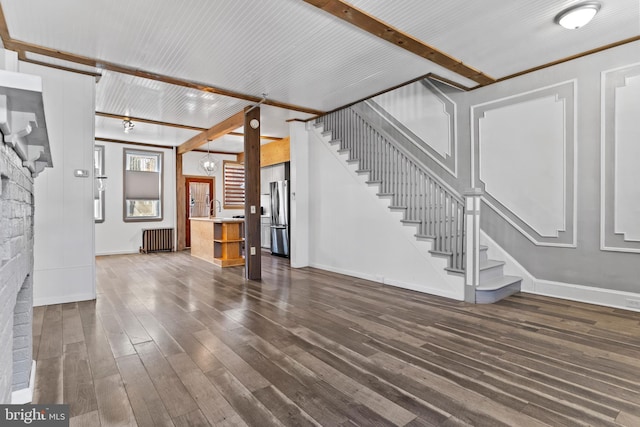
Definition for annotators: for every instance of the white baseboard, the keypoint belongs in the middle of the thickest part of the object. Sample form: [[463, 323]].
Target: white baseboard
[[122, 252], [63, 299], [391, 282], [351, 273], [562, 290], [586, 294], [21, 397]]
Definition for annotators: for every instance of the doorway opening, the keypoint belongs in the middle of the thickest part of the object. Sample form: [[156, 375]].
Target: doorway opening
[[200, 195]]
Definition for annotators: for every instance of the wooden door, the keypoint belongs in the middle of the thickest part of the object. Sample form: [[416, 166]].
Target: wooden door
[[199, 194]]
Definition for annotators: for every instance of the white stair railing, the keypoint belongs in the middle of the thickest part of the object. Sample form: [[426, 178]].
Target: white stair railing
[[430, 203]]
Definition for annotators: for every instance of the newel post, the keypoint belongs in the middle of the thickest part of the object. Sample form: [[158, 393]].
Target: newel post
[[472, 243]]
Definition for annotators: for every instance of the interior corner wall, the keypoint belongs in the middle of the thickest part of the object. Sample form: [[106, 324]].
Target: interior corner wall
[[586, 264], [114, 235], [64, 261]]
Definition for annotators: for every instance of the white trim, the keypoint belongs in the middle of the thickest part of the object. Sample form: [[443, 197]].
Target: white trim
[[562, 290], [528, 236], [585, 294], [122, 252], [603, 184], [574, 83], [453, 142], [64, 299], [390, 282], [25, 395]]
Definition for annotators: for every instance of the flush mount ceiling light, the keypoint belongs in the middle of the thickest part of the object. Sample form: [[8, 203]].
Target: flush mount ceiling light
[[578, 15], [208, 163], [128, 125]]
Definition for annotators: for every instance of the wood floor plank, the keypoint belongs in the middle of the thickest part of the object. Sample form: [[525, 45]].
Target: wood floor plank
[[49, 387], [90, 419], [211, 402], [147, 406], [100, 357], [113, 403], [253, 412], [248, 376], [71, 324], [51, 338], [173, 393], [118, 339], [198, 345], [78, 386], [36, 327]]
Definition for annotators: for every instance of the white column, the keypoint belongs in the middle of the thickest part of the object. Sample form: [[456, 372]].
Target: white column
[[472, 243], [299, 187]]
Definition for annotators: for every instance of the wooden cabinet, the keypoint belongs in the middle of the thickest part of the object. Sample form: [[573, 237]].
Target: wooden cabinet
[[269, 174], [218, 241], [227, 243]]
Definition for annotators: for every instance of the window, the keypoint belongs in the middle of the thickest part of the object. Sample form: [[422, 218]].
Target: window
[[98, 189], [142, 185], [233, 185]]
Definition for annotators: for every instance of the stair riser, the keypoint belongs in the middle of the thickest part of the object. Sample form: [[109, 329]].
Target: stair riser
[[491, 273], [489, 297]]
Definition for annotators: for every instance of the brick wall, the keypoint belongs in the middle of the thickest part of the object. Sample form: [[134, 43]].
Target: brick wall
[[16, 271]]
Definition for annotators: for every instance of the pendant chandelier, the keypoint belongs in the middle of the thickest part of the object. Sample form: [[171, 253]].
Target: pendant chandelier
[[208, 163]]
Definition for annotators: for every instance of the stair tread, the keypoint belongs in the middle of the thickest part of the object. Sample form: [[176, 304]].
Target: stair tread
[[397, 207], [484, 247], [424, 236], [374, 181], [497, 283], [363, 170], [491, 263], [411, 221], [441, 253]]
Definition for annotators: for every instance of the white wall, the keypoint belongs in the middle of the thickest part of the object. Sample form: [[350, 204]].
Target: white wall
[[64, 264], [114, 236], [191, 167], [351, 231]]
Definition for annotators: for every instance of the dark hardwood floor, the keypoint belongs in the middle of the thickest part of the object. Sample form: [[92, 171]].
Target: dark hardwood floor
[[172, 340]]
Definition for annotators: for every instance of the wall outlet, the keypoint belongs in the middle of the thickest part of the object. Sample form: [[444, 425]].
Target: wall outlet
[[253, 250], [633, 303], [253, 210]]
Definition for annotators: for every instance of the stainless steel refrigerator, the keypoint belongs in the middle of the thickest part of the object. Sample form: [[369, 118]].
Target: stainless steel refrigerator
[[279, 192]]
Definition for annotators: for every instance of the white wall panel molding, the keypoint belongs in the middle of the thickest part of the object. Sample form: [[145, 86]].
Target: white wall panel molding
[[425, 116], [620, 151], [525, 154]]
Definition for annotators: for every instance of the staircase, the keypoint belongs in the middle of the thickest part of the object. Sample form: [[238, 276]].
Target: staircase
[[426, 201]]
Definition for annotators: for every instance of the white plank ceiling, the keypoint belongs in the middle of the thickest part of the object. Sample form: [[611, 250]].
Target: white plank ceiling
[[288, 49]]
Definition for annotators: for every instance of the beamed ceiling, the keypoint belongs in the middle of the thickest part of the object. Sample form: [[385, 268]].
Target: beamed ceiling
[[182, 69]]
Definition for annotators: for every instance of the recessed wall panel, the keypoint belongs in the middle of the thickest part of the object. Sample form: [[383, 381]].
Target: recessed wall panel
[[620, 150], [525, 161]]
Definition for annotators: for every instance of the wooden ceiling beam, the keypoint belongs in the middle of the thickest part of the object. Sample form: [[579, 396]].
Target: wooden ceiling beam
[[222, 128], [175, 125], [378, 28], [110, 66]]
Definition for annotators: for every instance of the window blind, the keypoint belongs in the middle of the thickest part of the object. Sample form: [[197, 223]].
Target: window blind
[[233, 185]]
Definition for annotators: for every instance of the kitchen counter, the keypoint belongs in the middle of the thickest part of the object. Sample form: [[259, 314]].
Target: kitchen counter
[[218, 240]]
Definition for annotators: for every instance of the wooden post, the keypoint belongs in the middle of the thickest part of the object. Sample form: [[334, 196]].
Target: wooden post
[[181, 200], [253, 266], [472, 243]]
